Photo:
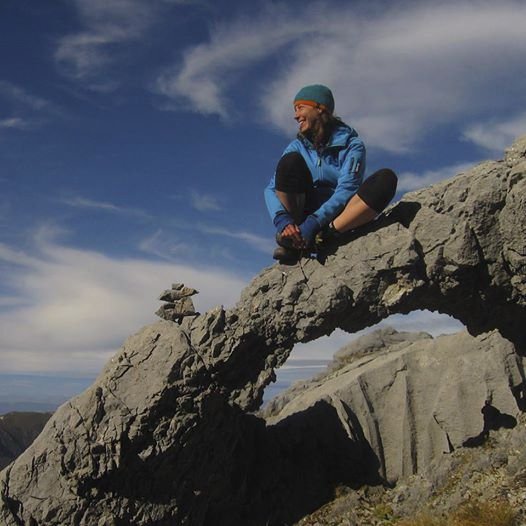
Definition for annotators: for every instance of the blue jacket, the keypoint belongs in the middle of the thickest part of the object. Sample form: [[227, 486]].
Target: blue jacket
[[337, 172]]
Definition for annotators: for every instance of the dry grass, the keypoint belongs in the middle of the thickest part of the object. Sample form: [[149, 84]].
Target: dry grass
[[477, 513], [423, 519], [383, 511], [472, 513]]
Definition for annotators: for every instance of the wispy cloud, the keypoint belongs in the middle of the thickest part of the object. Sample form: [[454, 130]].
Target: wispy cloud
[[408, 181], [67, 300], [165, 247], [12, 301], [496, 135], [29, 111], [16, 257], [260, 243], [209, 69], [14, 123], [104, 206], [105, 26], [21, 96], [204, 202], [180, 243], [396, 73]]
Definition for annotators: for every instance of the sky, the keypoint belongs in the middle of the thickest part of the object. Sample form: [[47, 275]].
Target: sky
[[137, 136]]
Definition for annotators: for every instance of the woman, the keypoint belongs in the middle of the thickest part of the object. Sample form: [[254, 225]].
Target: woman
[[318, 180]]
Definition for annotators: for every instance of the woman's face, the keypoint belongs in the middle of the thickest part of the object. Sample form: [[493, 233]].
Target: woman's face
[[306, 117]]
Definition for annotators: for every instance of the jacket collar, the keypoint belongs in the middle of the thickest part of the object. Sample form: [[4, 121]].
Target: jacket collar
[[339, 138]]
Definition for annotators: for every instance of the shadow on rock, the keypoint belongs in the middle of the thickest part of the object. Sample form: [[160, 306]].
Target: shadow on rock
[[493, 421], [233, 469], [519, 392], [318, 450]]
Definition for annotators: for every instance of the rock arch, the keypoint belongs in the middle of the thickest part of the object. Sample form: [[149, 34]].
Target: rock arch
[[165, 435]]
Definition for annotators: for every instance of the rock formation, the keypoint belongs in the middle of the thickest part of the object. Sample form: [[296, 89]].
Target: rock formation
[[415, 397], [178, 303], [475, 486], [165, 434]]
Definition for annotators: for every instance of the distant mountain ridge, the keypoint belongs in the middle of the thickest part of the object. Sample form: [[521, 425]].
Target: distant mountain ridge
[[17, 432]]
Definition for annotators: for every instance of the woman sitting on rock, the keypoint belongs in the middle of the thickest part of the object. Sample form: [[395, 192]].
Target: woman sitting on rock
[[318, 180]]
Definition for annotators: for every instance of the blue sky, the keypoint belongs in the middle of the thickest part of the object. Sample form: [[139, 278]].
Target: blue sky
[[136, 137]]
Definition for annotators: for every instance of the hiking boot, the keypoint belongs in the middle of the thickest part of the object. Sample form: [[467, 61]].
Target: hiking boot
[[286, 255], [284, 241], [325, 237]]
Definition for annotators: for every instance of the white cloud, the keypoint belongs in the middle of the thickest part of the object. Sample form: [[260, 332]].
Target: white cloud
[[14, 123], [106, 23], [21, 96], [71, 308], [180, 241], [409, 181], [263, 244], [166, 247], [209, 69], [204, 202], [396, 73], [10, 301], [495, 136], [28, 111], [81, 202]]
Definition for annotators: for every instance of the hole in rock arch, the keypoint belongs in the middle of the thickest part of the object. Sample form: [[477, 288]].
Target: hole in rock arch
[[307, 360]]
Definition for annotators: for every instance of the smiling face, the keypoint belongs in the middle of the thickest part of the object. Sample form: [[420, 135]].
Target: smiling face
[[307, 117]]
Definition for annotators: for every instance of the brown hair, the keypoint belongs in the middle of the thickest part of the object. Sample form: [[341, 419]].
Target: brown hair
[[322, 130]]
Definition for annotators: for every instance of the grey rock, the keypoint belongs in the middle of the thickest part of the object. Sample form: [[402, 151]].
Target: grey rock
[[369, 344], [374, 342], [418, 399], [166, 434], [179, 304], [178, 292], [177, 310]]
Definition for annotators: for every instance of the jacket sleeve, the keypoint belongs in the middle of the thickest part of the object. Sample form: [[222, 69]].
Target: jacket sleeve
[[274, 205], [350, 179]]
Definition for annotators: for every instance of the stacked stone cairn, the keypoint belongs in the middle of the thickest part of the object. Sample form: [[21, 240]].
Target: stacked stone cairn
[[178, 303]]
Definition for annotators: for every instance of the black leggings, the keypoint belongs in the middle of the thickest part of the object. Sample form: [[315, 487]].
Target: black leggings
[[293, 176], [378, 189]]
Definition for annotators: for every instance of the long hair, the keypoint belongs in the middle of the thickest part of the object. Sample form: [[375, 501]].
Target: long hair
[[322, 130]]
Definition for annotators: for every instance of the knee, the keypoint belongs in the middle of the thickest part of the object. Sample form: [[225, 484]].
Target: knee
[[379, 189], [293, 174], [388, 180]]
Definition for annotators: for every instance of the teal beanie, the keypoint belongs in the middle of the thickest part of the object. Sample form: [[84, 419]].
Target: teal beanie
[[316, 94]]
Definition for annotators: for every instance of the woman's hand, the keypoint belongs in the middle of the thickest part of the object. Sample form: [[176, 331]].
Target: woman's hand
[[308, 230], [293, 233]]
